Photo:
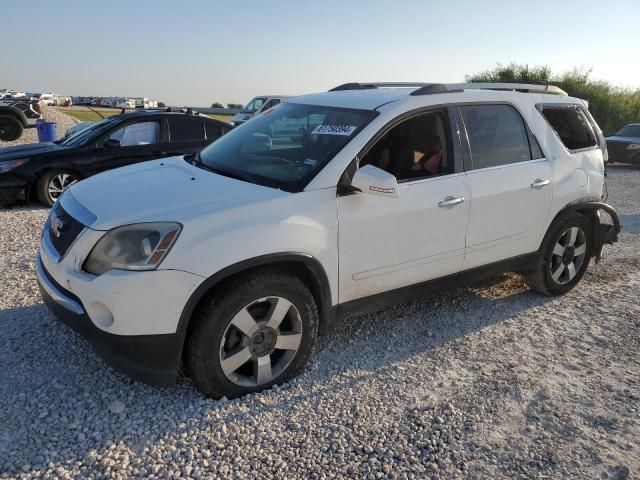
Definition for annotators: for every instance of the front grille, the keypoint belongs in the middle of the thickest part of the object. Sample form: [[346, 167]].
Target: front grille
[[63, 229]]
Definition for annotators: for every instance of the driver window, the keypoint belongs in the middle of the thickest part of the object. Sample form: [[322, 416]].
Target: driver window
[[141, 133], [416, 148]]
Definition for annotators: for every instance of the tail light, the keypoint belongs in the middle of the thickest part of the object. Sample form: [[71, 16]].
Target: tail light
[[37, 107]]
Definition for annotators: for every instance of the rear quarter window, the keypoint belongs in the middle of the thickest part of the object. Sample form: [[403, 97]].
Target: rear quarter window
[[571, 125], [215, 130]]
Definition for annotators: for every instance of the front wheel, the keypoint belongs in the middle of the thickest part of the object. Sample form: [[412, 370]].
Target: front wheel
[[10, 128], [564, 256], [53, 183], [257, 331]]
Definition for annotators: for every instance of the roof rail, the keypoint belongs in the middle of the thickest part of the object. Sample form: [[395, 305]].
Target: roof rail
[[431, 88], [525, 87], [371, 85]]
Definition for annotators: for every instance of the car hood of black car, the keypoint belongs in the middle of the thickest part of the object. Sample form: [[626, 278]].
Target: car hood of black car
[[29, 150]]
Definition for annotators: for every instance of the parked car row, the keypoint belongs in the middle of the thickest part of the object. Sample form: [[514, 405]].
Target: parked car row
[[230, 261], [43, 171]]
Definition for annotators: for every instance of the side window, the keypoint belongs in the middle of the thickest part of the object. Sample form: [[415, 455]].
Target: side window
[[416, 148], [140, 133], [270, 104], [213, 130], [497, 135], [571, 125], [185, 129]]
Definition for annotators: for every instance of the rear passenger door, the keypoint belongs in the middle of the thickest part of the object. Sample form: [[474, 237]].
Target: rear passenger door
[[509, 181], [186, 134]]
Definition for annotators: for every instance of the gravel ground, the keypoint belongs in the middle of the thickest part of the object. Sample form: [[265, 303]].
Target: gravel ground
[[488, 381], [30, 135]]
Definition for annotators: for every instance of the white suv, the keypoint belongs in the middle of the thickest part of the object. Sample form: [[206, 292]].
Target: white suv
[[230, 262]]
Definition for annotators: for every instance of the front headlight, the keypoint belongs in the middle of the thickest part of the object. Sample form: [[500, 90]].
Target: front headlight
[[11, 164], [141, 246], [633, 146]]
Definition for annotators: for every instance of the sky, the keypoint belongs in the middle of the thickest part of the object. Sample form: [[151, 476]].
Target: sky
[[196, 52]]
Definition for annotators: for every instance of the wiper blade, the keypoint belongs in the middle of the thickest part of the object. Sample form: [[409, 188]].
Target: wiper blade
[[227, 172]]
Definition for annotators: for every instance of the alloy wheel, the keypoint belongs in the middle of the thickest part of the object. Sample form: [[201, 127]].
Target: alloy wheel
[[261, 341], [59, 183], [568, 255]]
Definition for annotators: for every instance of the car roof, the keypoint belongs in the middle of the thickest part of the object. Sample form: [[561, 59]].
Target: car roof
[[360, 99], [161, 113], [373, 96]]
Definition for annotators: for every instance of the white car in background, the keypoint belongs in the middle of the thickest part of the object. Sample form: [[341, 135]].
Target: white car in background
[[45, 98], [256, 106], [232, 261]]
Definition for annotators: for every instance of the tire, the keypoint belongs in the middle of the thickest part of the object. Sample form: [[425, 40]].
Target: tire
[[561, 264], [10, 128], [232, 333], [51, 185]]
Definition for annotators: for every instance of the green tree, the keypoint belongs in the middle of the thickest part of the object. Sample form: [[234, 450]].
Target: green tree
[[217, 105], [611, 106], [234, 105]]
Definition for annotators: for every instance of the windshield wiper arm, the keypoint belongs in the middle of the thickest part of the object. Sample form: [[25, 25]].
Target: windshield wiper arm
[[227, 172]]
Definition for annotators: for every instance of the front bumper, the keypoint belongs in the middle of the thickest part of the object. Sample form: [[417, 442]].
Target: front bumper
[[153, 359]]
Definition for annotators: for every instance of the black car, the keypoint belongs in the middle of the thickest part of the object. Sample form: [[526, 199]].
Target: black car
[[624, 146], [16, 114], [42, 171]]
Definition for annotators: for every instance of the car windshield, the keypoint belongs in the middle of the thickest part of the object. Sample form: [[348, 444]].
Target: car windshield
[[254, 104], [629, 131], [285, 147], [89, 133]]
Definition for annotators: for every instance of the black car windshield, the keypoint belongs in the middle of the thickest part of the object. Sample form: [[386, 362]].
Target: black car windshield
[[89, 133], [629, 131], [287, 146], [254, 104]]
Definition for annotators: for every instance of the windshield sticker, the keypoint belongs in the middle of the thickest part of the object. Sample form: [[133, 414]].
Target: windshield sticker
[[344, 130], [311, 162]]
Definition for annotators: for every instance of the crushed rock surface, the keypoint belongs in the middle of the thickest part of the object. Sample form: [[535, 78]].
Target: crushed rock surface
[[50, 114], [485, 381]]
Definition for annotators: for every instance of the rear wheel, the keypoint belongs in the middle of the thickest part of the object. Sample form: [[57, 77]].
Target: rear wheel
[[53, 183], [564, 256], [257, 331], [10, 128]]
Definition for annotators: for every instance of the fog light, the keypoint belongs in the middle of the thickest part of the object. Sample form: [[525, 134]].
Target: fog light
[[100, 314]]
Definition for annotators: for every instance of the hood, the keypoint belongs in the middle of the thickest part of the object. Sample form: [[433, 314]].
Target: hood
[[163, 190], [618, 139], [29, 150]]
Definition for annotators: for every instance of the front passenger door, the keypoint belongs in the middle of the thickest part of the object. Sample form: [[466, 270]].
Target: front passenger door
[[389, 243]]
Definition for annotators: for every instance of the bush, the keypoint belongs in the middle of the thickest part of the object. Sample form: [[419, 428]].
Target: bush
[[611, 106], [216, 105]]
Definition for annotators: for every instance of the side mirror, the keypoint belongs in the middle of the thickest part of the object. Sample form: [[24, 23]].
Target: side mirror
[[375, 181], [111, 143]]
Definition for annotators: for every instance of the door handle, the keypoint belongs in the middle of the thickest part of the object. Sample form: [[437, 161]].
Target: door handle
[[159, 154], [539, 183], [450, 201]]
